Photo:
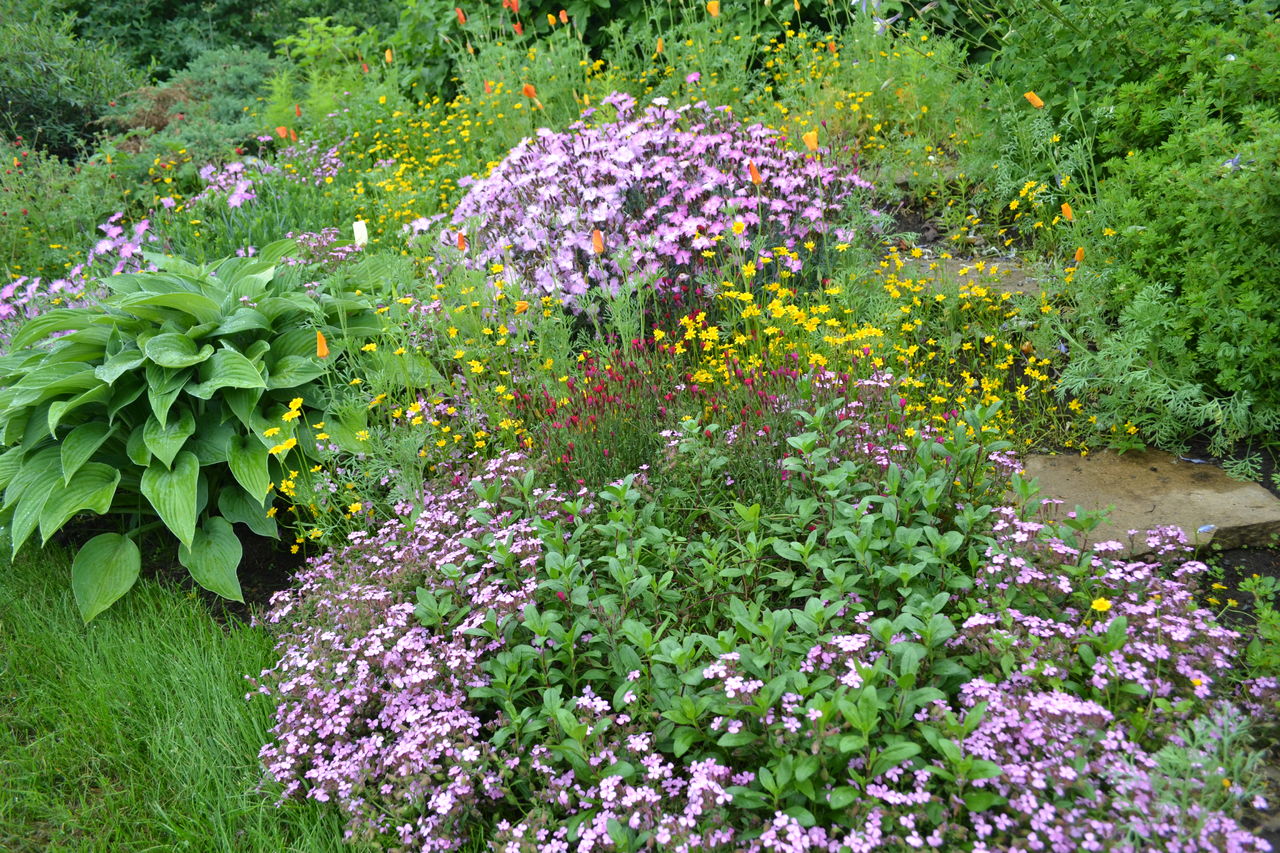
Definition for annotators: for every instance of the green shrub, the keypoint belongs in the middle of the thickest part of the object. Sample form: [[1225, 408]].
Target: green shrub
[[54, 86], [173, 404]]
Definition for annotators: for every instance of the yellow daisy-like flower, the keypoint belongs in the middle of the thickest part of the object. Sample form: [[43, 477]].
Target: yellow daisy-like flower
[[269, 433], [1101, 605]]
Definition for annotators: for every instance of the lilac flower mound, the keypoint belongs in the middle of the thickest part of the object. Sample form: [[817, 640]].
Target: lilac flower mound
[[371, 707], [662, 186]]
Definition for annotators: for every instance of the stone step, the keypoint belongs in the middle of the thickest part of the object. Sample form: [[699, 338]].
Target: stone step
[[1152, 489]]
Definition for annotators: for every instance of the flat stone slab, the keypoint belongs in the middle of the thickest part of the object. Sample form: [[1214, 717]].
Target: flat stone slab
[[1153, 489]]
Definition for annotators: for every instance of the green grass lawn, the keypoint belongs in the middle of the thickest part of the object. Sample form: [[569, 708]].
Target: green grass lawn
[[132, 733]]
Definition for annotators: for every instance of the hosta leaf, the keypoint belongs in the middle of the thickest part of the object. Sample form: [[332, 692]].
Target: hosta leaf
[[103, 570], [163, 386], [226, 369], [37, 470], [243, 319], [79, 445], [273, 252], [93, 488], [123, 393], [278, 308], [243, 403], [165, 440], [213, 558], [136, 448], [60, 409], [196, 305], [210, 443], [10, 465], [52, 380], [292, 371], [247, 459], [57, 320], [245, 276], [297, 342], [172, 263], [176, 350], [122, 362], [238, 507], [172, 493]]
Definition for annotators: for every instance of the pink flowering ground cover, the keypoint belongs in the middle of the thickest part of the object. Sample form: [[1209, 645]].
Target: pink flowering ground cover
[[517, 669]]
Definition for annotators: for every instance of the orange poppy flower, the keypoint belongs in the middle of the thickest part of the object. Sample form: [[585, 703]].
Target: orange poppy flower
[[1067, 213], [810, 140], [462, 16], [551, 20], [521, 306], [322, 346], [528, 91], [364, 66], [564, 16], [597, 241], [519, 28], [755, 173], [1079, 254], [713, 8], [660, 44], [297, 110], [293, 135], [1033, 99], [388, 56], [462, 242], [488, 87], [282, 132]]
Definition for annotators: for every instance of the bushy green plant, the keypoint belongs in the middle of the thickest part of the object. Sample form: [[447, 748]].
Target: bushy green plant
[[53, 85], [170, 405]]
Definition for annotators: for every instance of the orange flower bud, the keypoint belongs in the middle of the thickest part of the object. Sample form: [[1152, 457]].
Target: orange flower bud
[[528, 91], [597, 241], [1079, 254], [282, 132], [810, 140], [462, 16], [388, 56], [519, 28], [551, 20], [660, 44], [322, 346], [1033, 99], [521, 306], [462, 242], [1067, 213], [713, 8], [297, 110], [488, 87], [564, 16], [755, 173]]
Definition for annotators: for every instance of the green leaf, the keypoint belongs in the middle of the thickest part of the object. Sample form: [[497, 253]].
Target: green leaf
[[172, 493], [226, 369], [893, 755], [35, 472], [238, 507], [57, 320], [79, 445], [244, 319], [58, 410], [293, 370], [843, 796], [174, 350], [210, 443], [165, 440], [979, 800], [684, 739], [26, 515], [163, 386], [122, 362], [123, 394], [299, 342], [247, 459], [213, 557], [273, 252], [196, 305], [103, 570], [93, 488], [10, 464], [136, 448], [51, 380]]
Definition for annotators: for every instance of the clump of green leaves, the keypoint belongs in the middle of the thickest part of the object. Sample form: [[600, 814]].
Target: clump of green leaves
[[168, 405]]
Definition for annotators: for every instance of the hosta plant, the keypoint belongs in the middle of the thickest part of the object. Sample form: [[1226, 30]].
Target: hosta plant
[[169, 405]]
